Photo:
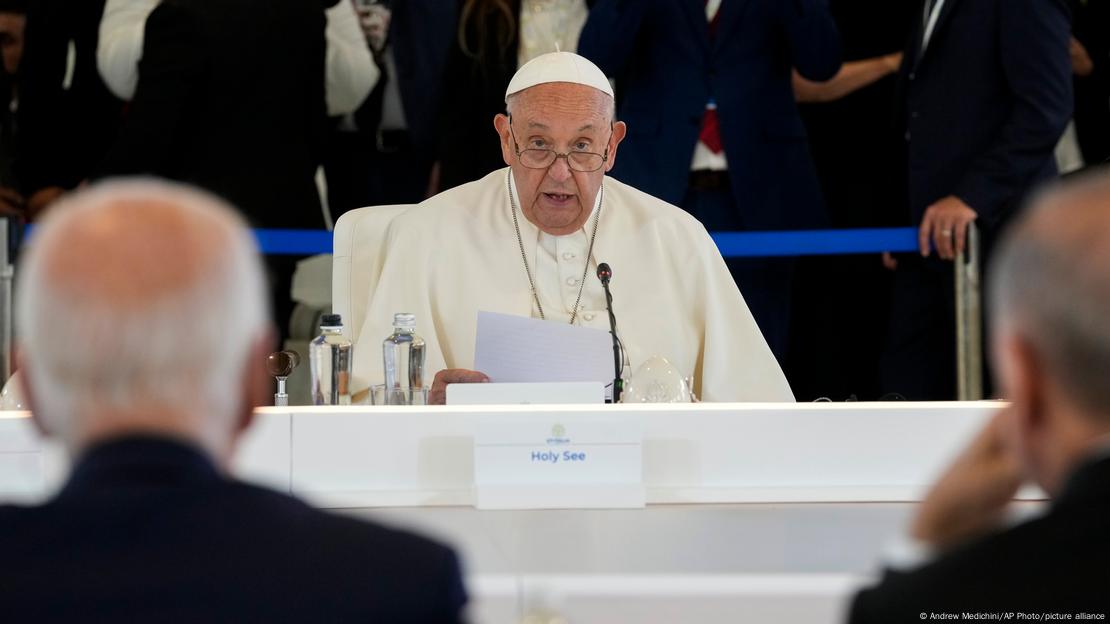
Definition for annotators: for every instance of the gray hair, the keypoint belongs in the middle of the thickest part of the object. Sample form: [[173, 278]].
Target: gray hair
[[1051, 284], [136, 294]]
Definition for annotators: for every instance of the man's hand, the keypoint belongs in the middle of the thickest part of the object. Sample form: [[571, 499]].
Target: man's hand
[[892, 62], [1081, 63], [890, 263], [438, 394], [971, 496], [945, 224], [374, 19]]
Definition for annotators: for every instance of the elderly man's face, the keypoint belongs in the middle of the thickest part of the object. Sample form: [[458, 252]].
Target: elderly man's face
[[566, 118]]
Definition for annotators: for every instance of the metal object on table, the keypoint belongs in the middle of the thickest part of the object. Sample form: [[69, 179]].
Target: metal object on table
[[969, 320], [281, 365]]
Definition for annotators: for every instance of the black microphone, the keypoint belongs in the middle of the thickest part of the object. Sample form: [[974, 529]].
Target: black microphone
[[604, 273]]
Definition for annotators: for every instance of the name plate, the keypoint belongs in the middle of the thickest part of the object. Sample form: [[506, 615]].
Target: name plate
[[556, 393], [559, 461]]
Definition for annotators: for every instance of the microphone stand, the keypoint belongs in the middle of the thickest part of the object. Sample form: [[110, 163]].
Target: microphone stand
[[604, 273]]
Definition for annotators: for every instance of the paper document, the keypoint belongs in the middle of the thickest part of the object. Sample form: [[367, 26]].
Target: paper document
[[518, 349]]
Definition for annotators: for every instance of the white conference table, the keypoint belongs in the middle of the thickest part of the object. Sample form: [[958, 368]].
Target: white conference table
[[756, 512]]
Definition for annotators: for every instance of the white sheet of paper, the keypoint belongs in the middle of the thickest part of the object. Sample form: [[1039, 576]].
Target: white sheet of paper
[[519, 349]]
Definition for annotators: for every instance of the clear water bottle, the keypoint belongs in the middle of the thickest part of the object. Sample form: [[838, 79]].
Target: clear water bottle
[[403, 359], [329, 359]]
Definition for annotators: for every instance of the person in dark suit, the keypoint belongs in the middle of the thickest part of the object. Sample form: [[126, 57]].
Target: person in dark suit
[[706, 93], [67, 117], [383, 153], [145, 332], [985, 94], [231, 98], [1050, 292]]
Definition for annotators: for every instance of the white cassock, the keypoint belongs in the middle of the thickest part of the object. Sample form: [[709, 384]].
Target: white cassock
[[457, 253]]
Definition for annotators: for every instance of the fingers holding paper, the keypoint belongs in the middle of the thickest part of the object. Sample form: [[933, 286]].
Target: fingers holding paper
[[438, 394]]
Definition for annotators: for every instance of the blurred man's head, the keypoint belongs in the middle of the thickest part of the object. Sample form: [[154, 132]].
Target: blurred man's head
[[1050, 303], [141, 309]]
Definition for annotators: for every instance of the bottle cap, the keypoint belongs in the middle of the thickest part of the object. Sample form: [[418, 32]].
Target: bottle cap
[[404, 319], [331, 320]]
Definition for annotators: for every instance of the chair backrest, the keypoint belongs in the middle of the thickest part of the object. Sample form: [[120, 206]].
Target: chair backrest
[[358, 256]]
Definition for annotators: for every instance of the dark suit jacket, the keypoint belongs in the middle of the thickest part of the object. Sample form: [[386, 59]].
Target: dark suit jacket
[[986, 103], [231, 98], [146, 530], [667, 68], [1056, 563], [64, 129], [421, 33]]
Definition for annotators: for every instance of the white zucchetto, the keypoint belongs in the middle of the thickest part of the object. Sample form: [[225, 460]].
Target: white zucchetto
[[559, 67]]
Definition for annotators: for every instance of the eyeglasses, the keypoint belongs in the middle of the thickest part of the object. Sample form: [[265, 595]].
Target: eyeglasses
[[537, 158]]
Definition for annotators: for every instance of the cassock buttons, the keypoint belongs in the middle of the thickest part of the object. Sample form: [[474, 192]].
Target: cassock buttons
[[572, 281], [569, 255], [589, 316]]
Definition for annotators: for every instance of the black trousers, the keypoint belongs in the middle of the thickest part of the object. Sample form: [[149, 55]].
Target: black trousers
[[840, 311], [365, 169], [919, 361]]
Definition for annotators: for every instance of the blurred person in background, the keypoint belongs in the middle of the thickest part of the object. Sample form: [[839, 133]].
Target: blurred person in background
[[13, 20], [841, 302], [383, 152], [706, 91], [1090, 53], [494, 38], [67, 118], [231, 97], [143, 338], [1050, 292], [985, 92], [350, 72]]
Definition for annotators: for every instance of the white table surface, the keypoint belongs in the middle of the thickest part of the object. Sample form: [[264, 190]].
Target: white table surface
[[756, 512]]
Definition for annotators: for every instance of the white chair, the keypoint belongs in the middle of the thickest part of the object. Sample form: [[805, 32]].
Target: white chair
[[311, 294], [358, 255]]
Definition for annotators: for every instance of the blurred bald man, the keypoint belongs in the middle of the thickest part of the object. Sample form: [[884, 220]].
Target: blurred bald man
[[143, 332], [1051, 308]]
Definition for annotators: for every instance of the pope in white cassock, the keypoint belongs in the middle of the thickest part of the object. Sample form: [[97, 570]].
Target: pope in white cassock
[[527, 240]]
